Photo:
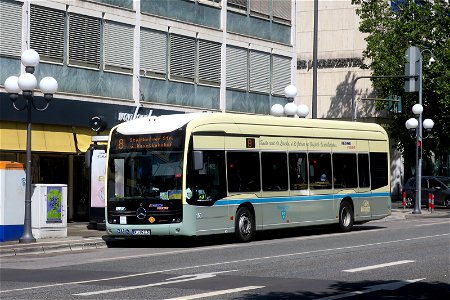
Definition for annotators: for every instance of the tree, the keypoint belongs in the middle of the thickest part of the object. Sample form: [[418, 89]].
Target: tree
[[391, 28]]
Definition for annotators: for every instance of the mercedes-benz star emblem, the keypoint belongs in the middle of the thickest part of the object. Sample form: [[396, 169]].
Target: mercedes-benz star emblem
[[141, 213]]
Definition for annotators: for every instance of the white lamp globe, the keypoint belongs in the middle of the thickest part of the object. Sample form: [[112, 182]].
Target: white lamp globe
[[27, 82], [290, 109], [30, 58], [277, 110], [290, 91], [302, 111], [48, 85], [428, 124], [417, 109], [12, 85], [411, 123]]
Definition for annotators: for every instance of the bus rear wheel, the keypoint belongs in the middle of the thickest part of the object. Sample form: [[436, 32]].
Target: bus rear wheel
[[345, 216], [244, 225]]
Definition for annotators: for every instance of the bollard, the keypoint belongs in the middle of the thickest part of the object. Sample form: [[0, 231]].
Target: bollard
[[429, 201], [432, 203], [404, 200]]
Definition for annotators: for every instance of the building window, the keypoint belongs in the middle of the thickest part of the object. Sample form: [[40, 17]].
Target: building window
[[239, 4], [153, 53], [10, 25], [208, 62], [84, 40], [47, 33], [237, 68], [118, 46], [182, 57], [260, 8], [281, 74], [259, 72], [281, 10]]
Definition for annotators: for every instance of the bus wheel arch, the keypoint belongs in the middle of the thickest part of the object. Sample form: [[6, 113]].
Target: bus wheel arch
[[346, 214], [245, 225]]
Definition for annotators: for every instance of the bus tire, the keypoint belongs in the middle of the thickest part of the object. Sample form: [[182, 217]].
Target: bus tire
[[346, 216], [244, 225]]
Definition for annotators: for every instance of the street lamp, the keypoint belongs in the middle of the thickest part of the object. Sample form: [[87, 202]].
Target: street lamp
[[290, 109], [26, 83], [414, 125]]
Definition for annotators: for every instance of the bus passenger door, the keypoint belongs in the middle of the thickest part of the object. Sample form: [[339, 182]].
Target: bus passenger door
[[210, 186]]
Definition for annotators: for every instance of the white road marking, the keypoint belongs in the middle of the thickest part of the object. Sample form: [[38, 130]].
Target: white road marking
[[385, 286], [428, 224], [227, 262], [218, 293], [177, 279], [379, 266]]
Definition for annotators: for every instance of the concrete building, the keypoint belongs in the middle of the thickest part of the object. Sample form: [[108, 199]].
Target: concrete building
[[122, 58], [340, 46]]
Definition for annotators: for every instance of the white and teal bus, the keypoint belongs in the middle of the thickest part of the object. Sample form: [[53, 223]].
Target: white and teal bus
[[210, 173]]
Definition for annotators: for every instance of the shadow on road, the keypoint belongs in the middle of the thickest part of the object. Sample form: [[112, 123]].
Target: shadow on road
[[221, 239], [361, 291]]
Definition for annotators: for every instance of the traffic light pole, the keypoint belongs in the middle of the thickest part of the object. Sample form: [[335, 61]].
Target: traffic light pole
[[354, 108]]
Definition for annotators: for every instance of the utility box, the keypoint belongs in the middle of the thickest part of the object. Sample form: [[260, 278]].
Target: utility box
[[12, 200], [49, 210]]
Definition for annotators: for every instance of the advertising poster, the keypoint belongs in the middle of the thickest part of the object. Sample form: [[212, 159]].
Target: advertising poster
[[54, 203], [98, 171]]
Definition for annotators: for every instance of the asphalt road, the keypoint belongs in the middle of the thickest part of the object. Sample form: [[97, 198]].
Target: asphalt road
[[396, 259]]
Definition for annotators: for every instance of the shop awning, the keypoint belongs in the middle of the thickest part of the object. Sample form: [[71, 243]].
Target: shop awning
[[44, 138]]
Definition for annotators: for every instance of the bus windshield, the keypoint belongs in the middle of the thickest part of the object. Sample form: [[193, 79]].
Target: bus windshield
[[149, 174], [145, 166]]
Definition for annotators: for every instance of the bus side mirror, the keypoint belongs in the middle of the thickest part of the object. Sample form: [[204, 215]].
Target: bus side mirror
[[198, 159], [88, 157]]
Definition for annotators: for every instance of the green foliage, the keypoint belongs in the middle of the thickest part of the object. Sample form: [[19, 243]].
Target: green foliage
[[424, 24]]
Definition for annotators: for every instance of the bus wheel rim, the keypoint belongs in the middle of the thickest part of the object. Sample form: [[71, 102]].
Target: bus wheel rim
[[244, 225], [345, 216]]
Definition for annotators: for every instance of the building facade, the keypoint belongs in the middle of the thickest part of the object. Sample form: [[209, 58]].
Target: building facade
[[119, 59], [340, 46]]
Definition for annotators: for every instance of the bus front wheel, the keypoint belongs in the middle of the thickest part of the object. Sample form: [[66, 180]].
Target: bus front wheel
[[345, 217], [244, 225]]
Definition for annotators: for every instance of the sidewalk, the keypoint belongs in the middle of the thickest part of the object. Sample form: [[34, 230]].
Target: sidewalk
[[79, 237]]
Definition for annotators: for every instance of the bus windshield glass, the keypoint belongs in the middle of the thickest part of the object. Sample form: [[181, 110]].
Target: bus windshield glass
[[145, 166]]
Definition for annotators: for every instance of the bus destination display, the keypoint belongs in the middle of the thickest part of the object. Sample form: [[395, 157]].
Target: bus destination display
[[167, 141]]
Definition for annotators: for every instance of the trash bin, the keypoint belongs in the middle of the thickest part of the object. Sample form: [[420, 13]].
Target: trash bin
[[12, 200], [48, 210]]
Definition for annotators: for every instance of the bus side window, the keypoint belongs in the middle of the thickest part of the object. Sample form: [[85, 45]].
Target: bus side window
[[363, 170], [344, 170], [274, 171], [378, 169], [243, 172], [297, 171], [320, 171], [210, 180]]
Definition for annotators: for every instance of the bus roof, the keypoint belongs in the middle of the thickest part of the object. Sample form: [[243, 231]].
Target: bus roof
[[168, 123]]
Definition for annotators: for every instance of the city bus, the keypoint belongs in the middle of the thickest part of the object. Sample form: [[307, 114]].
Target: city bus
[[213, 173]]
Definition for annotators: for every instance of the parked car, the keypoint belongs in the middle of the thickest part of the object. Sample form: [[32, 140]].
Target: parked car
[[439, 186]]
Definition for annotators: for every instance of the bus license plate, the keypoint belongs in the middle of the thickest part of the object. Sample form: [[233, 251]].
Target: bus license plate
[[142, 232]]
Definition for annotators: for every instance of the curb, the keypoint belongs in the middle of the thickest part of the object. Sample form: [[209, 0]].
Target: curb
[[407, 214], [52, 248]]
